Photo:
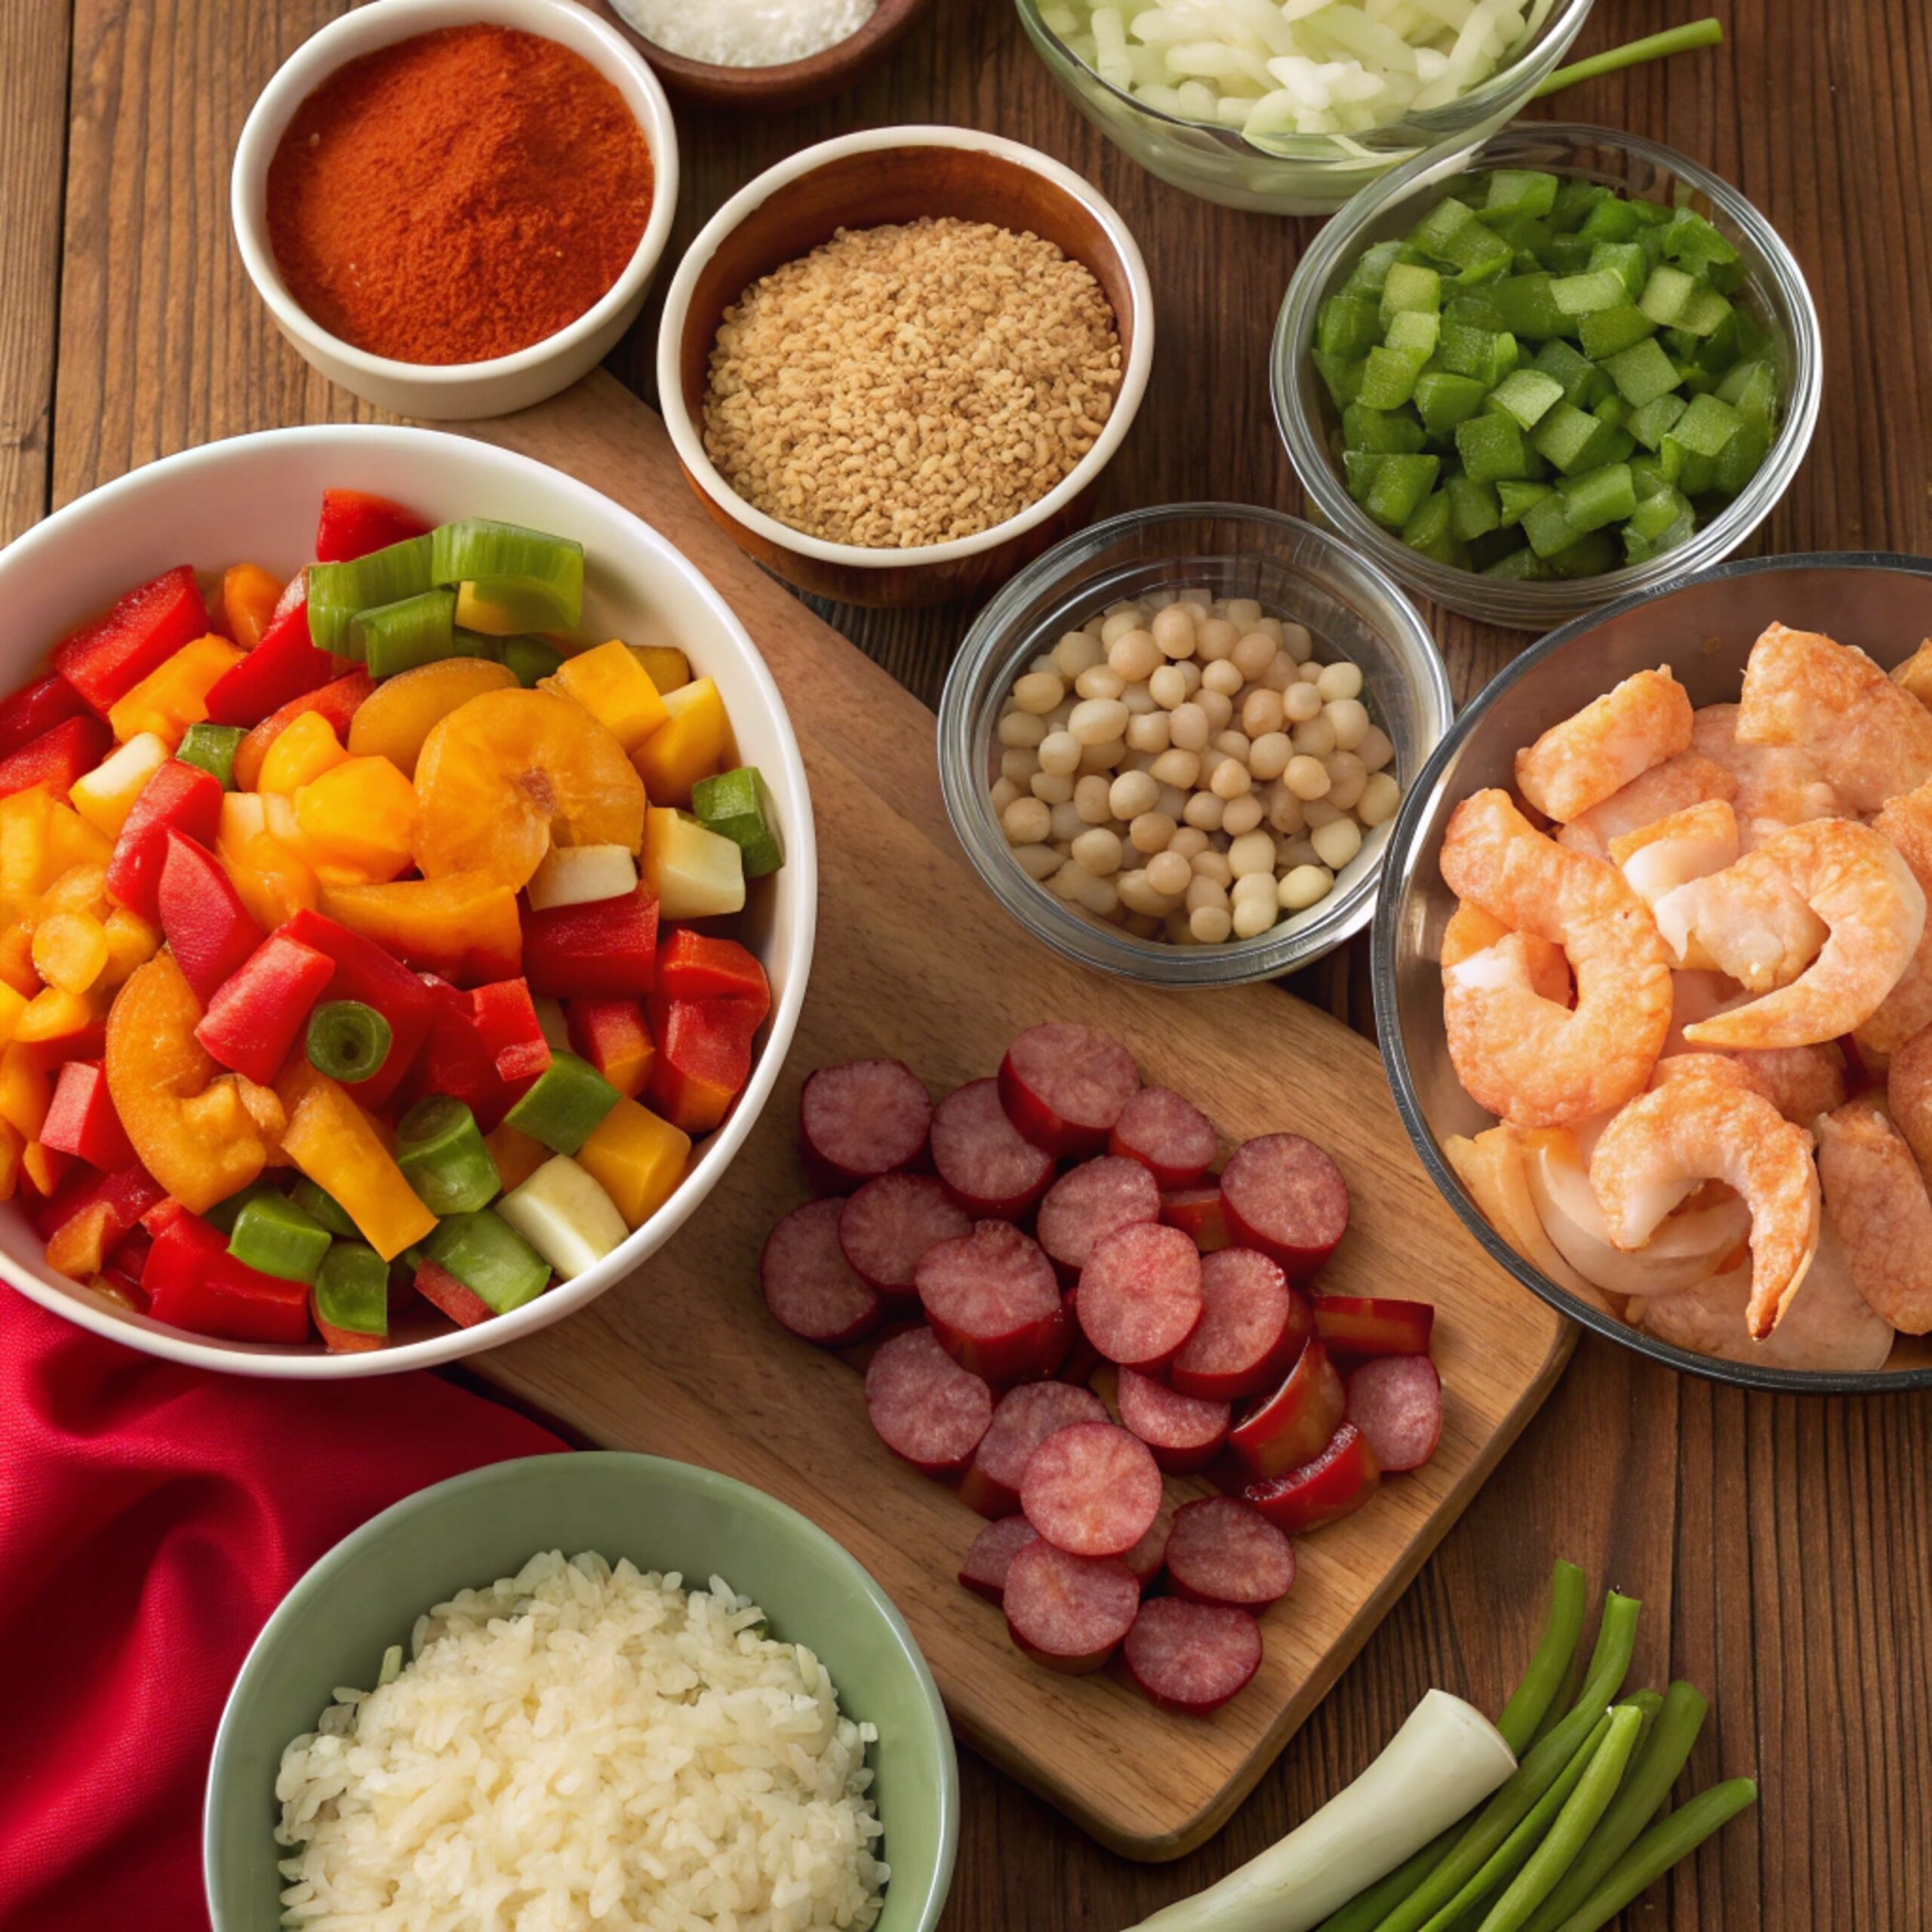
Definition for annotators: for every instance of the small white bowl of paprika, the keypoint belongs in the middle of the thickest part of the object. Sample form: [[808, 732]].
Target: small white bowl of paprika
[[454, 208]]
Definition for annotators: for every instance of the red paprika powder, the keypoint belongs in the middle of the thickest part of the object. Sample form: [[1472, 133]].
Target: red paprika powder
[[458, 195]]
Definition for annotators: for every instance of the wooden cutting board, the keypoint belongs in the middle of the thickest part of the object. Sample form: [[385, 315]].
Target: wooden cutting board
[[916, 962]]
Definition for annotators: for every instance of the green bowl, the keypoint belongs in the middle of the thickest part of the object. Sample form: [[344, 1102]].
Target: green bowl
[[366, 1594]]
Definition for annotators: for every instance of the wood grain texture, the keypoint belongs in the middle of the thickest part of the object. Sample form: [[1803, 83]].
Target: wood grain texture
[[1782, 1543]]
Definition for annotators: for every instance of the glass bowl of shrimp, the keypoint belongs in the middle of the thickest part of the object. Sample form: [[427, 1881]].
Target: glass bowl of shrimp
[[1652, 972]]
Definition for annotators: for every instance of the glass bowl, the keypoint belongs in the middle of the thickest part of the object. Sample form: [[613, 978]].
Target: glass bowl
[[1306, 416], [1234, 551], [1310, 174], [1704, 627]]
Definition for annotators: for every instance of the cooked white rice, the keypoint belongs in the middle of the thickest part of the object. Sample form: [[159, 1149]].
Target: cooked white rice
[[579, 1746]]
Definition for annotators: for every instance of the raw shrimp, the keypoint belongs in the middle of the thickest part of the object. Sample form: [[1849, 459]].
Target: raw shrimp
[[1915, 675], [1906, 821], [1908, 1094], [1522, 1056], [1748, 922], [1776, 786], [1829, 1328], [1699, 1126], [1670, 787], [1470, 930], [1877, 1206], [1803, 1082], [1619, 736], [1870, 738], [1692, 844], [1854, 881]]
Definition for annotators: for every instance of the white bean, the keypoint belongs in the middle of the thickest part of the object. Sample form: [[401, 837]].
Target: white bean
[[1375, 751], [1211, 864], [1055, 787], [1173, 631], [1190, 675], [1187, 725], [1210, 925], [1150, 832], [1253, 917], [1003, 794], [1137, 894], [1348, 717], [1102, 758], [1243, 612], [1180, 766], [1168, 687], [1132, 793], [1304, 888], [1188, 841], [1172, 799], [1060, 751], [1297, 849], [1284, 812], [1222, 676], [1126, 617], [1140, 701], [1339, 681], [1305, 777], [1337, 844], [1101, 683], [1018, 765], [1067, 881], [1203, 890], [1024, 729], [1039, 691], [1147, 731], [1169, 873], [1241, 815], [1319, 812], [1379, 799], [1316, 739], [1280, 673], [1099, 851], [1232, 780], [1203, 811], [1261, 712], [1074, 653], [1268, 756], [1297, 642], [1300, 703], [1252, 852], [1091, 797], [1254, 653], [1097, 895], [1347, 776], [1038, 862], [1214, 641], [1134, 656], [1231, 743], [1097, 720], [1068, 824]]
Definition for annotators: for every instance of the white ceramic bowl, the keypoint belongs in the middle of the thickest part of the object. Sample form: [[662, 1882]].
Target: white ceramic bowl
[[256, 497], [859, 180], [454, 391]]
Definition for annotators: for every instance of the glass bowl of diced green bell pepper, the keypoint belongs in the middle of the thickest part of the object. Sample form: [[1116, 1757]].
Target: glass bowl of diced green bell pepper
[[1534, 377]]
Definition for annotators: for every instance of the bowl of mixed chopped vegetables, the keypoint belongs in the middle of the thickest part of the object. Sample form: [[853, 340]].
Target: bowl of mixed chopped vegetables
[[407, 900], [1546, 374]]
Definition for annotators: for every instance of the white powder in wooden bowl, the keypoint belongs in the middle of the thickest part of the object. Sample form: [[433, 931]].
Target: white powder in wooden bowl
[[746, 33]]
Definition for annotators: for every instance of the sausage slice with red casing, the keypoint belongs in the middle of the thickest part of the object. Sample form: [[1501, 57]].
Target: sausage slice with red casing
[[1283, 1195], [887, 1226], [924, 1406], [1085, 1205], [1335, 1485], [1139, 1296], [1185, 1433], [988, 1166], [1374, 1325], [1191, 1658], [863, 1118], [1223, 1551], [1069, 1613], [1278, 1431], [984, 1570], [1197, 1213], [1093, 1489], [1167, 1134], [993, 1302], [1063, 1087], [1146, 1557], [1396, 1401], [1252, 1326], [808, 1284], [1023, 1419]]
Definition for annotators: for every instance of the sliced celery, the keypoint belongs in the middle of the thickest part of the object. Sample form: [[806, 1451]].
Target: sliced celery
[[399, 637], [509, 579], [338, 592]]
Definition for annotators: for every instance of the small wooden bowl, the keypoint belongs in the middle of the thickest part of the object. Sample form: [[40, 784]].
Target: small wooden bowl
[[769, 90], [865, 180]]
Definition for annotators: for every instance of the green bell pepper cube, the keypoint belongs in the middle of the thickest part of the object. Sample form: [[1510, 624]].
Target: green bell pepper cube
[[566, 1102], [1647, 477], [1583, 383], [1527, 394], [1614, 220], [1414, 332], [1614, 410], [1473, 308], [1742, 455], [1576, 296], [1706, 426], [1642, 373], [1691, 242], [1530, 191], [1573, 439], [1651, 424], [1668, 295], [1611, 331], [1658, 523], [1750, 388], [1474, 509], [1492, 449], [1348, 326], [1433, 234], [1706, 313], [1367, 276], [1624, 259], [1598, 496], [1360, 468], [1427, 528], [1568, 254], [737, 804], [273, 1236], [1487, 355], [1592, 554], [1443, 400], [1400, 483], [1389, 378], [1575, 198], [1521, 565], [1526, 307], [1547, 525], [1516, 500], [1478, 256], [1342, 375], [1409, 286], [1380, 431]]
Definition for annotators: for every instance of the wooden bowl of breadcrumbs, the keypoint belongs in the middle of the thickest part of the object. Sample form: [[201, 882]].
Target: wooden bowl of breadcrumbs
[[894, 366]]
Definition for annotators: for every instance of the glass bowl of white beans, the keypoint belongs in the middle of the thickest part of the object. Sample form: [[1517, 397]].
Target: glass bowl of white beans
[[1174, 745]]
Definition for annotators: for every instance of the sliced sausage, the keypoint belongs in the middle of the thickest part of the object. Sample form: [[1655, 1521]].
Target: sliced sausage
[[1191, 1658], [1222, 1551], [984, 1571], [1197, 1213], [1281, 1431], [1332, 1485], [1374, 1325], [1023, 1419], [1139, 1295], [1092, 1490], [863, 1118], [1396, 1401], [1167, 1134], [1185, 1433], [1069, 1613], [994, 1303], [1253, 1325], [809, 1284], [1095, 1200], [887, 1226], [1146, 1557], [925, 1406], [1063, 1087], [988, 1167], [1082, 1358], [1283, 1195]]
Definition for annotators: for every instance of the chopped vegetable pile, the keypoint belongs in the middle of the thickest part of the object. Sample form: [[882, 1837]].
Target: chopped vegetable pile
[[1547, 379], [364, 883]]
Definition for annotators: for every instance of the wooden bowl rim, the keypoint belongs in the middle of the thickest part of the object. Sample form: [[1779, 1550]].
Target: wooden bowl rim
[[712, 82]]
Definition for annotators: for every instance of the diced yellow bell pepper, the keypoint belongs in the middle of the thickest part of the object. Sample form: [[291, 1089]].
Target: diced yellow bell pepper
[[174, 696], [695, 872], [105, 795], [26, 1088], [274, 884], [301, 753], [688, 746], [72, 841], [363, 809], [636, 1158], [131, 942], [16, 961], [82, 888], [70, 951], [666, 666], [285, 828], [337, 1145], [44, 1168], [248, 598], [23, 848], [615, 689], [463, 926], [517, 1155]]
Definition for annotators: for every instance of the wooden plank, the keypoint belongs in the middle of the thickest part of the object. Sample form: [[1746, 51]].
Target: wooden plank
[[682, 1359]]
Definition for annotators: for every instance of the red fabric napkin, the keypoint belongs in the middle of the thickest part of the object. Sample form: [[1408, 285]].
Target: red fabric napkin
[[151, 1518]]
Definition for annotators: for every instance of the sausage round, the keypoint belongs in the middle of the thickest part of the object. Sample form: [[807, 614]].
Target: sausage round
[[1092, 1490], [984, 1570], [1283, 1195], [924, 1406], [1023, 1420], [1279, 1431], [1063, 1087], [1333, 1485], [1069, 1613], [994, 1303], [1167, 1134], [863, 1118], [1222, 1551], [1139, 1295], [987, 1166], [1191, 1658], [808, 1284], [1396, 1401], [887, 1226], [1094, 1200], [1253, 1325], [1197, 1213], [1185, 1433]]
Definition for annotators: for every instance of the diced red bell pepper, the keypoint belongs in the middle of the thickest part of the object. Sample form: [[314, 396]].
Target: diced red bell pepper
[[294, 597], [336, 702], [193, 1282], [178, 797], [611, 1034], [606, 949], [208, 928], [693, 965], [353, 523], [81, 1119], [83, 1225], [106, 660], [57, 758], [364, 971], [283, 666], [445, 1293], [704, 1058], [455, 1060], [253, 1021], [36, 708], [512, 1035]]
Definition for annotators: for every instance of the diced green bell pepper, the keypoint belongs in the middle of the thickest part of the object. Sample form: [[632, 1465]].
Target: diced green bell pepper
[[1474, 509], [1583, 383], [1443, 400], [1514, 500], [1642, 372], [1492, 449], [1427, 528], [1526, 307], [1573, 439], [1410, 286], [1399, 484], [1527, 394], [1603, 495], [1389, 378], [1530, 191], [1348, 326], [1611, 331], [1487, 355]]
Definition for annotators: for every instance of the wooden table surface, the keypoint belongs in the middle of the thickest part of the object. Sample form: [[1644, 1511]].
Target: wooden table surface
[[1783, 1547]]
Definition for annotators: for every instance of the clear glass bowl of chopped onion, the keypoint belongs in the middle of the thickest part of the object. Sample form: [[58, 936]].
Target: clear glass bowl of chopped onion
[[1291, 106]]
